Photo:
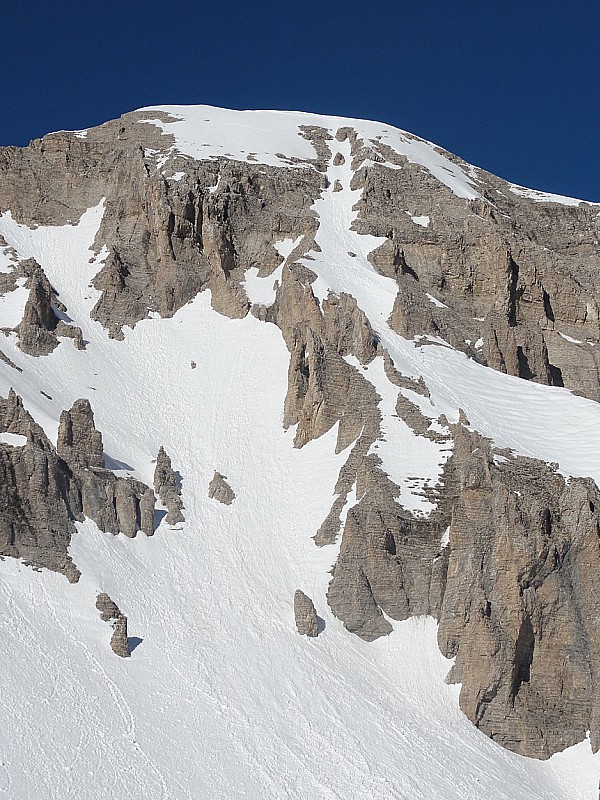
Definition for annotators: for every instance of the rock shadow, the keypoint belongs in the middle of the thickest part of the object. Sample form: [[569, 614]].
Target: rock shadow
[[133, 642], [159, 515], [113, 463]]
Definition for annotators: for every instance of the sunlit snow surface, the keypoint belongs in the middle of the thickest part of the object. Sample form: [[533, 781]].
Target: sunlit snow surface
[[275, 138], [263, 290], [12, 305], [221, 697]]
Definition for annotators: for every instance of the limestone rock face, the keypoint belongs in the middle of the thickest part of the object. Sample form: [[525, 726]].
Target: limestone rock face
[[45, 490], [524, 625], [513, 272], [305, 615], [221, 490], [167, 488], [79, 443], [512, 590], [38, 496]]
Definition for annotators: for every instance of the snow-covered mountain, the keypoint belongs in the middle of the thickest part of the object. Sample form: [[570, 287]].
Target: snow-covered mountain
[[373, 372]]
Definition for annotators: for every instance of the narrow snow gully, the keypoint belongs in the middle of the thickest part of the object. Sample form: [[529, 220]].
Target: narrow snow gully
[[412, 462]]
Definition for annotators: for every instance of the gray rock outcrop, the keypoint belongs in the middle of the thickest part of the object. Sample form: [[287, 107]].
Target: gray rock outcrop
[[44, 492], [119, 642], [108, 608], [307, 622], [79, 442], [167, 488], [39, 497], [109, 612], [220, 490], [523, 626], [41, 324], [37, 328]]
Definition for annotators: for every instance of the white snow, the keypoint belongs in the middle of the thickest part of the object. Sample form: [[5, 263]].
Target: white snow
[[12, 305], [177, 176], [423, 220], [569, 338], [286, 247], [435, 301], [263, 290], [214, 188], [533, 420], [445, 540], [14, 439], [274, 138], [336, 270], [222, 699], [412, 462]]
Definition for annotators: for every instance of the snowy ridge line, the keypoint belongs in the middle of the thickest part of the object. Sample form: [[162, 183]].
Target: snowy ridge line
[[539, 196], [275, 138], [210, 132]]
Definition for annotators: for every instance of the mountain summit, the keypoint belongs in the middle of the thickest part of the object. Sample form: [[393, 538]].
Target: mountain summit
[[299, 423]]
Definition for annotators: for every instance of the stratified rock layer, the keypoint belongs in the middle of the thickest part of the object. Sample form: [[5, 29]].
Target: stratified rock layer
[[307, 622], [167, 488]]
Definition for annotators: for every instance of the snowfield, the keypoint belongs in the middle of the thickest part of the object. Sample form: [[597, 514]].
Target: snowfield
[[221, 698]]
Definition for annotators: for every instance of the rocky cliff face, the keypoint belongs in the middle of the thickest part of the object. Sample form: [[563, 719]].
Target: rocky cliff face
[[46, 489], [501, 548]]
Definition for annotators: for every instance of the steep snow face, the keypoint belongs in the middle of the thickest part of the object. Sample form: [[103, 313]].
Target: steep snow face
[[221, 697], [275, 138], [263, 290]]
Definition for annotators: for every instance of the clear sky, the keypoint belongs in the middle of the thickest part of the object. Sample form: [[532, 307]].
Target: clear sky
[[510, 86]]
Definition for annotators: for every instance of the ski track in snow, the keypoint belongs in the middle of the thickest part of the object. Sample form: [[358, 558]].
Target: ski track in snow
[[222, 699]]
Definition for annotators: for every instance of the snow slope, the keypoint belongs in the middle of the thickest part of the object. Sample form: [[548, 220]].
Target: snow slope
[[221, 698]]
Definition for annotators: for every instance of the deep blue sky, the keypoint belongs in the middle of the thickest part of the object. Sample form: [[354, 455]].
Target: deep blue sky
[[513, 87]]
